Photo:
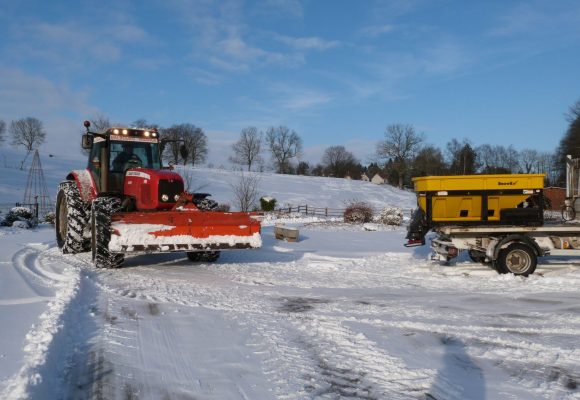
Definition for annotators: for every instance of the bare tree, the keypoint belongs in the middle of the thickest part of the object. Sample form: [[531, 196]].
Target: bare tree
[[573, 113], [100, 123], [2, 131], [186, 142], [195, 142], [170, 139], [27, 132], [284, 145], [498, 159], [248, 148], [400, 145], [428, 161], [338, 161], [246, 191], [528, 160]]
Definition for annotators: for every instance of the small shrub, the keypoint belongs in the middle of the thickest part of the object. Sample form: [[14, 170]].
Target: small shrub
[[17, 214], [358, 212], [391, 216], [49, 217], [267, 203], [224, 207]]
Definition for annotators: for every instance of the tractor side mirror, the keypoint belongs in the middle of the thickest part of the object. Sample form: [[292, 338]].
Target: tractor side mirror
[[87, 142]]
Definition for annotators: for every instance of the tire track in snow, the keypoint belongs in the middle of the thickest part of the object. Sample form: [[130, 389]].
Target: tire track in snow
[[61, 285]]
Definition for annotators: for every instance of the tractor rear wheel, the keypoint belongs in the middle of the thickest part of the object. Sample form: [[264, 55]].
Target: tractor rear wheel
[[203, 256], [101, 212], [71, 220], [207, 205]]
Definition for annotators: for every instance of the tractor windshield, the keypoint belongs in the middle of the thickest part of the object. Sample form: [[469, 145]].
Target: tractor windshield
[[133, 154]]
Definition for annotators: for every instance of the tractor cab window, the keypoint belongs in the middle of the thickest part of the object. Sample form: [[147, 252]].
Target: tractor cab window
[[126, 155]]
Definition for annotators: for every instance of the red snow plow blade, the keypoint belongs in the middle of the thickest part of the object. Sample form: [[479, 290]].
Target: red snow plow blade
[[184, 230]]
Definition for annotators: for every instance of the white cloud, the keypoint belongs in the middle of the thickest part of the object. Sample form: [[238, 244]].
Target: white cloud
[[377, 30], [74, 43], [281, 8], [61, 109], [307, 43]]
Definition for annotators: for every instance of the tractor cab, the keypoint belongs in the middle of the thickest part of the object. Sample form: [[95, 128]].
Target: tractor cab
[[116, 150]]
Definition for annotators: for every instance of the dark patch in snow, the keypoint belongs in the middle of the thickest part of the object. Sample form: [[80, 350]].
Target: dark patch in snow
[[343, 382], [335, 382], [563, 377], [363, 302], [99, 371], [540, 301], [448, 340], [129, 312], [130, 393], [300, 304], [508, 315], [153, 309]]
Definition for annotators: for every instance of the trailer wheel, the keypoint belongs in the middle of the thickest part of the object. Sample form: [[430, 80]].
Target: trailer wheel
[[568, 213], [71, 219], [203, 256], [518, 259], [101, 212], [477, 256]]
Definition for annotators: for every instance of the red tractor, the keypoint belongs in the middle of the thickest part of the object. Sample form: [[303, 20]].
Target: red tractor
[[125, 201]]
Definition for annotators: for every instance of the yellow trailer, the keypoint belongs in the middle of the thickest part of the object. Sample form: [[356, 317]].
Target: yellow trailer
[[481, 198]]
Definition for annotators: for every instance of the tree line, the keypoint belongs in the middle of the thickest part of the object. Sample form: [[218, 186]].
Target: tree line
[[402, 154]]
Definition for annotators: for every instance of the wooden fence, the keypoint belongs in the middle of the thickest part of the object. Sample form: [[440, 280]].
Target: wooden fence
[[324, 211]]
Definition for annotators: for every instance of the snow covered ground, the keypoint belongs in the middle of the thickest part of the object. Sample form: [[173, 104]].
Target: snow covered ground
[[343, 313]]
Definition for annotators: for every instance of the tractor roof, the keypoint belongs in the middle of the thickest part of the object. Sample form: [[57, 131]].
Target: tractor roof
[[132, 134]]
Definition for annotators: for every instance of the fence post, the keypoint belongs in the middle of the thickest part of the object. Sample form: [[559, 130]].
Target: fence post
[[326, 212], [306, 209]]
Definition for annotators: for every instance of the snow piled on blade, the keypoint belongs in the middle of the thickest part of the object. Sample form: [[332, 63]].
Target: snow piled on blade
[[39, 339], [142, 235]]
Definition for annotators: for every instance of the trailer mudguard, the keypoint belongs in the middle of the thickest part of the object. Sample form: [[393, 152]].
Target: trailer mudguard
[[516, 238]]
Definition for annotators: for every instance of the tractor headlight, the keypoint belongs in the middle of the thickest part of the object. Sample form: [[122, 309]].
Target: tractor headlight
[[164, 197], [176, 197]]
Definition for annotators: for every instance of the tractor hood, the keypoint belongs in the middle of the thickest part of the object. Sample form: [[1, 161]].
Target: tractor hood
[[153, 189]]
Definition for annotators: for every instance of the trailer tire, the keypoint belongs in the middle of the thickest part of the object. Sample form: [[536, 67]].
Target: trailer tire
[[518, 259], [71, 219], [477, 257], [203, 256], [101, 212]]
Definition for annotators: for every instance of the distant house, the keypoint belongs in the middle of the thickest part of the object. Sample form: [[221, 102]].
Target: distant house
[[364, 177], [379, 180]]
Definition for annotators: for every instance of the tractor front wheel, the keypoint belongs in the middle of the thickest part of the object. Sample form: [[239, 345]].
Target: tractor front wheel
[[71, 219], [101, 212]]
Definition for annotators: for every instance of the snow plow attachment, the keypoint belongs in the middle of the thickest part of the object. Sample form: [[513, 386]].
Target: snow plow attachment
[[183, 231]]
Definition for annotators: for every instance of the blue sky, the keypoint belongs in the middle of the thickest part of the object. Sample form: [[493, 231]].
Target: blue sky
[[337, 72]]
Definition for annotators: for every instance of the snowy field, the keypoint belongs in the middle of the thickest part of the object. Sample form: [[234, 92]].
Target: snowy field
[[343, 313]]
